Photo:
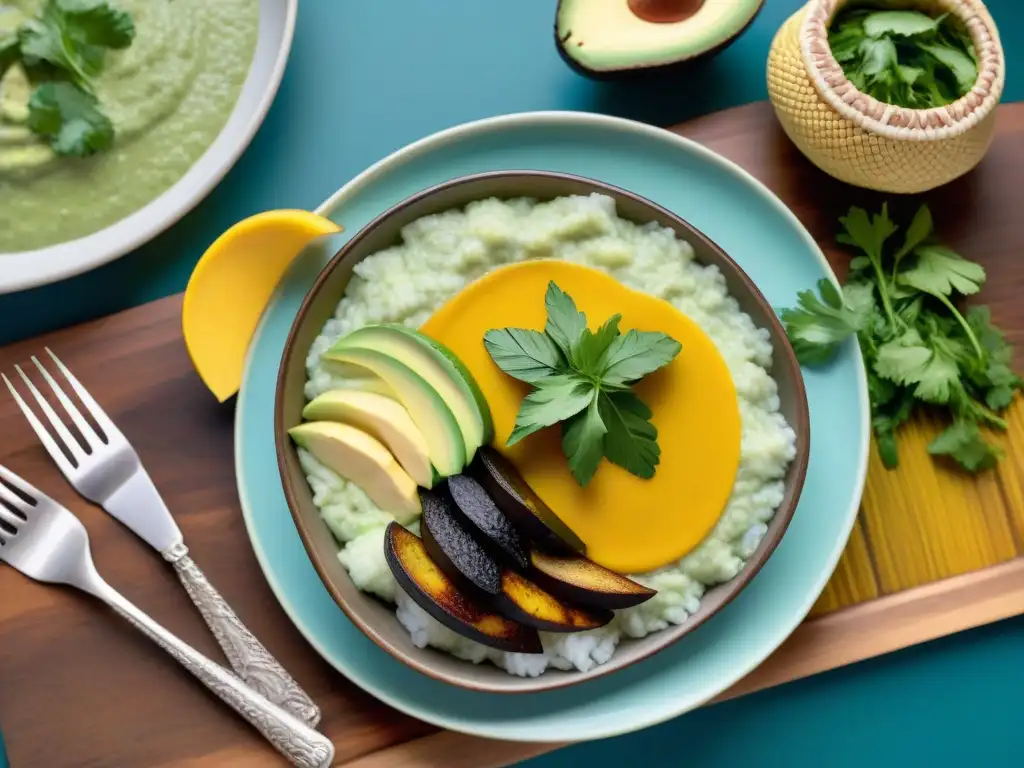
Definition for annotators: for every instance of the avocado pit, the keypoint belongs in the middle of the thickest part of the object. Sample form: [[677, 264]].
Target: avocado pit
[[664, 11]]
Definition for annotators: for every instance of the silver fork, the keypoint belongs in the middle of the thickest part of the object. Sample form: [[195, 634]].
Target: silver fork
[[48, 543], [108, 471]]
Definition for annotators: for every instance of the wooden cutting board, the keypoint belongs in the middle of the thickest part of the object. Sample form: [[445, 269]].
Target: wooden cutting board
[[81, 687]]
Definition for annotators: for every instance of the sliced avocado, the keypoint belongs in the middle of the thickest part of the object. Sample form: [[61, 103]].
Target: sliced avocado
[[485, 521], [452, 547], [417, 352], [521, 505], [523, 601], [436, 594], [464, 372], [362, 459], [383, 418], [613, 38], [582, 581], [426, 407]]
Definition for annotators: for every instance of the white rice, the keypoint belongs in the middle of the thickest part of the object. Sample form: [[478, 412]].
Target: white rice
[[442, 254]]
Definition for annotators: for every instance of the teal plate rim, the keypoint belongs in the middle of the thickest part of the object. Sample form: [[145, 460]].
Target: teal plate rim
[[716, 655]]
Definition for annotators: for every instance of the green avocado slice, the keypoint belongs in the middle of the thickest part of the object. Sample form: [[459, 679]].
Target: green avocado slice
[[425, 405], [437, 366], [603, 39]]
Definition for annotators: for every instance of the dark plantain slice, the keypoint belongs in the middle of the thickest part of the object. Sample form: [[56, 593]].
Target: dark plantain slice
[[425, 582], [451, 546], [485, 521], [525, 602], [582, 581], [524, 508]]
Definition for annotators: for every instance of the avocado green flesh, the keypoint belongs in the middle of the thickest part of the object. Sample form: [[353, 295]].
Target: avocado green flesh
[[609, 36], [412, 349], [460, 368], [426, 406]]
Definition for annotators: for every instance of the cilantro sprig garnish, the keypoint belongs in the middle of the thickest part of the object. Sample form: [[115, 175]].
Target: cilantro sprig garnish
[[901, 302], [904, 57], [62, 50], [581, 379]]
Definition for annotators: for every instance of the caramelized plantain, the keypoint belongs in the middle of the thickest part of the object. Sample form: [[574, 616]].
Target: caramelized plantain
[[524, 508], [579, 580], [451, 546], [525, 602], [485, 521], [425, 582]]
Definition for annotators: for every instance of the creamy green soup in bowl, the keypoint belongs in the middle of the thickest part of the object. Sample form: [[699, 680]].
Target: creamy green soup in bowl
[[180, 100]]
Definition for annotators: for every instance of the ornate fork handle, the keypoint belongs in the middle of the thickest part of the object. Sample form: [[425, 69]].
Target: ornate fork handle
[[247, 656], [303, 746]]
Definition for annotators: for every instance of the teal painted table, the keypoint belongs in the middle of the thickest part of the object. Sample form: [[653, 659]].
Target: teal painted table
[[367, 78]]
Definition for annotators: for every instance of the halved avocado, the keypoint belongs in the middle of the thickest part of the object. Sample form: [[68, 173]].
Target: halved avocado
[[424, 356], [609, 38], [434, 592], [583, 581], [523, 507], [452, 547], [525, 602], [425, 405], [485, 521]]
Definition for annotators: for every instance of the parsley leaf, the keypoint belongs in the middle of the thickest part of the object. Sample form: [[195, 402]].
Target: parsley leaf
[[583, 442], [74, 35], [919, 349], [940, 271], [97, 22], [963, 442], [581, 378], [591, 347], [10, 50], [908, 360], [903, 23], [555, 399], [632, 440], [904, 57], [70, 118], [524, 354], [637, 353], [565, 323], [818, 326], [63, 49]]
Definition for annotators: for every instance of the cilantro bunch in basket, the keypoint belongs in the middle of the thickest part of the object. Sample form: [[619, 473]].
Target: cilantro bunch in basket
[[902, 301], [582, 379], [904, 57]]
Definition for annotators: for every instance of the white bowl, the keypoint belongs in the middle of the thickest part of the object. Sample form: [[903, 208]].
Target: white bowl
[[27, 269]]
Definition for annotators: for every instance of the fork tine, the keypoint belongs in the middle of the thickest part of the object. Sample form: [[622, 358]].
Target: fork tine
[[72, 410], [51, 445], [20, 485], [97, 412], [13, 500]]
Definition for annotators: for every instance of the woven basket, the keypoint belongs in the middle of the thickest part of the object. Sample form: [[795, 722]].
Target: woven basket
[[865, 142]]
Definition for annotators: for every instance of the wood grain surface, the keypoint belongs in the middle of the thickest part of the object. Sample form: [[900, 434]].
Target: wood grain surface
[[82, 688]]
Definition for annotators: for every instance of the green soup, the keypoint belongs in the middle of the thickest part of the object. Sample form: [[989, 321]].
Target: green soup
[[168, 95]]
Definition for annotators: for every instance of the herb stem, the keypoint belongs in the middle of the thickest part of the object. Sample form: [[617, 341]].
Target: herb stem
[[883, 292], [963, 323]]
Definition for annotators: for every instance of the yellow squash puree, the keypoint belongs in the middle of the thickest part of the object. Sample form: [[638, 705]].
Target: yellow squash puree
[[629, 524]]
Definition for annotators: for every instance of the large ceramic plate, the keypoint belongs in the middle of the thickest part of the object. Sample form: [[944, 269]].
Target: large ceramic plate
[[773, 248], [47, 265]]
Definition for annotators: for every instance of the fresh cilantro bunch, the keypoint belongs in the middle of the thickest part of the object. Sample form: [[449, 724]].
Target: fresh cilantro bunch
[[63, 49], [904, 57], [582, 379], [921, 351]]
